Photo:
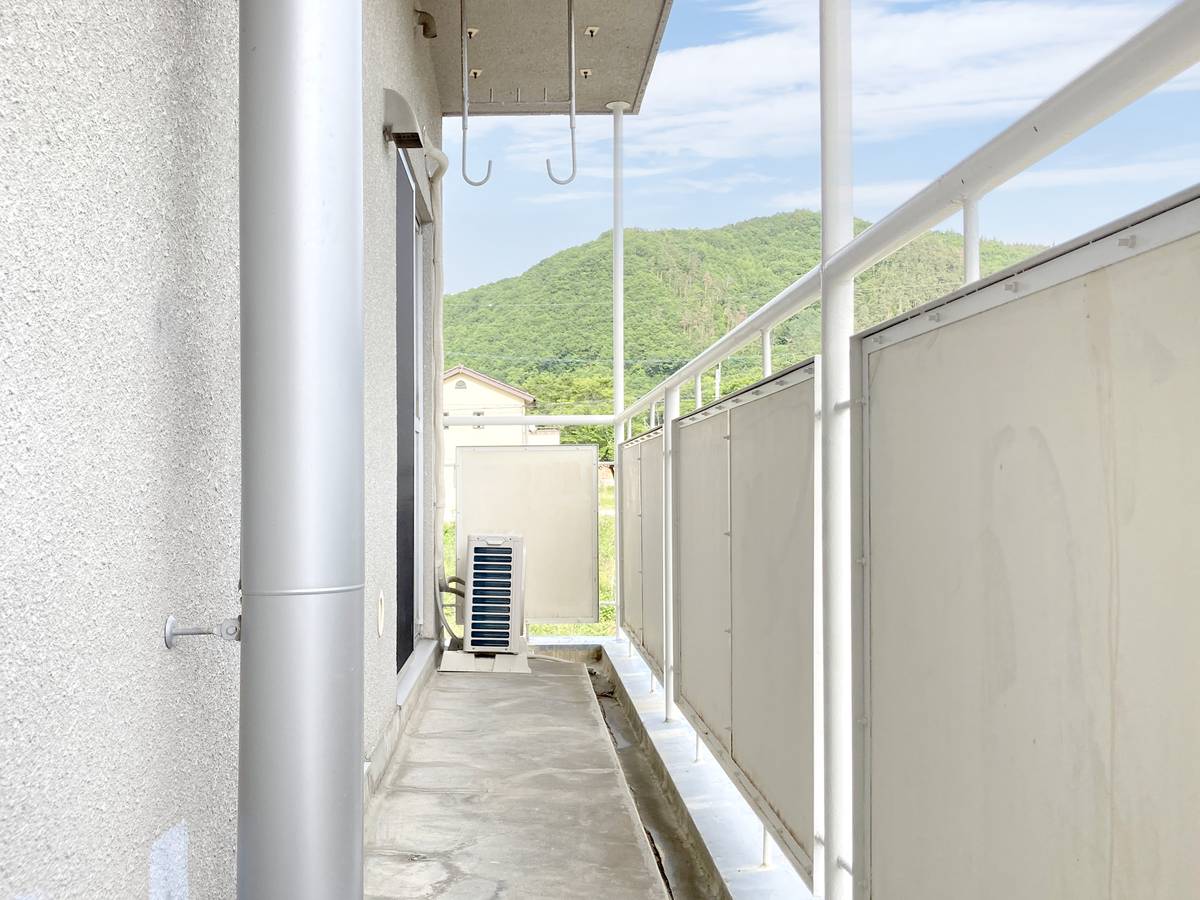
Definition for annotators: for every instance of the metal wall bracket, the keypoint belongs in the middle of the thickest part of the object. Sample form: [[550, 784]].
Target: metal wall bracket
[[227, 630]]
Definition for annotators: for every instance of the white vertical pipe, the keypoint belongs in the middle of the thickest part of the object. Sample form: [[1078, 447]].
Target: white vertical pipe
[[618, 241], [698, 389], [837, 325], [300, 813], [670, 413], [618, 278], [818, 624], [766, 352], [970, 240], [717, 383]]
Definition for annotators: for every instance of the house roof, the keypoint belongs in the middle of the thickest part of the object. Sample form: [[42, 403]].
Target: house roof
[[488, 380]]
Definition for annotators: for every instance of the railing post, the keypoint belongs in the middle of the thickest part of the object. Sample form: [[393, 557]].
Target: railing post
[[618, 108], [698, 390], [618, 241], [766, 352], [970, 240], [670, 413], [837, 325]]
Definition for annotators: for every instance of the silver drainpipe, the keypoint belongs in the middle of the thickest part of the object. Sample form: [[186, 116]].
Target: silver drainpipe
[[300, 760]]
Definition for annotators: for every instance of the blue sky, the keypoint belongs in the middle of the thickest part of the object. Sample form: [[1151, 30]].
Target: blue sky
[[728, 129]]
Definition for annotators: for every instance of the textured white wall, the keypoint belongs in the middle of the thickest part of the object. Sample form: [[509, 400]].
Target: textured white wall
[[395, 57], [119, 470], [119, 437]]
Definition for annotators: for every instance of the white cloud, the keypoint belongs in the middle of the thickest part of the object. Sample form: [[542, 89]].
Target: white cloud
[[561, 196], [1146, 171], [719, 181], [877, 195], [1182, 165], [916, 66]]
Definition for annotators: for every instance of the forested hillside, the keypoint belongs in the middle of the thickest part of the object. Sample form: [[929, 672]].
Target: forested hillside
[[549, 331]]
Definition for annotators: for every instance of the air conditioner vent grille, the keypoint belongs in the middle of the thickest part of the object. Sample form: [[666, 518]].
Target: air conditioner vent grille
[[494, 593]]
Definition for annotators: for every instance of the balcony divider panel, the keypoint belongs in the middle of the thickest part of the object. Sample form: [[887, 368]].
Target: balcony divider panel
[[631, 539], [772, 515], [702, 546], [550, 496], [1029, 604], [652, 549]]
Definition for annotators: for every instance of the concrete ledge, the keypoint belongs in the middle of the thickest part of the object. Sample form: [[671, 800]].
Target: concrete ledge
[[412, 683], [726, 825]]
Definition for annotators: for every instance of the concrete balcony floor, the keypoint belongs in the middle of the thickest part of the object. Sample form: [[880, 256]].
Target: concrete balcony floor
[[508, 786]]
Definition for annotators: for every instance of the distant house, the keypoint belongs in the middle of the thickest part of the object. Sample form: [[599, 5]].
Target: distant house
[[466, 392]]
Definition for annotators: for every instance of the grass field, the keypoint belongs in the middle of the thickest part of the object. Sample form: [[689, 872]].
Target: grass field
[[608, 609]]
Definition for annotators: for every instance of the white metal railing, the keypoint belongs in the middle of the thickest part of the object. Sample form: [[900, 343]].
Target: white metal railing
[[549, 421], [1159, 52], [1162, 50], [1152, 57]]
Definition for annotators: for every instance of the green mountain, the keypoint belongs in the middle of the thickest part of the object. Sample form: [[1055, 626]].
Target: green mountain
[[549, 330]]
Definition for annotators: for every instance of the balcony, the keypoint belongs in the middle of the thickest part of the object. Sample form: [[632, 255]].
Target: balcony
[[897, 577], [912, 617]]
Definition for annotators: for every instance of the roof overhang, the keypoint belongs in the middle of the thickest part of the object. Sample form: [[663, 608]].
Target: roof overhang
[[499, 385], [521, 46]]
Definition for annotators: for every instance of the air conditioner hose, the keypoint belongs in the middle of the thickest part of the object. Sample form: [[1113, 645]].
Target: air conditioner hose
[[445, 586]]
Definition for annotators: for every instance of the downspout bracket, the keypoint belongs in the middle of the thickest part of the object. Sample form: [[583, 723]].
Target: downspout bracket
[[226, 630]]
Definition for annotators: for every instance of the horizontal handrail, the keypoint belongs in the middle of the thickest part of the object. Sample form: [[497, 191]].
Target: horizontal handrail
[[547, 421], [1149, 59]]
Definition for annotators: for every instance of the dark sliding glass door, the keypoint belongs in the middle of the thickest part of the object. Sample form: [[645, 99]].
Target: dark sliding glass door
[[408, 412]]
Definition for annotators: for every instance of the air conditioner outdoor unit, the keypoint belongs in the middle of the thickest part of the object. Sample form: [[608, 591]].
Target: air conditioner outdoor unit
[[495, 607]]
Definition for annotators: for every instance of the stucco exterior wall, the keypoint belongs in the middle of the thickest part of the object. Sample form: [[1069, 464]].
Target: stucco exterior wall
[[395, 57], [119, 446], [119, 438]]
